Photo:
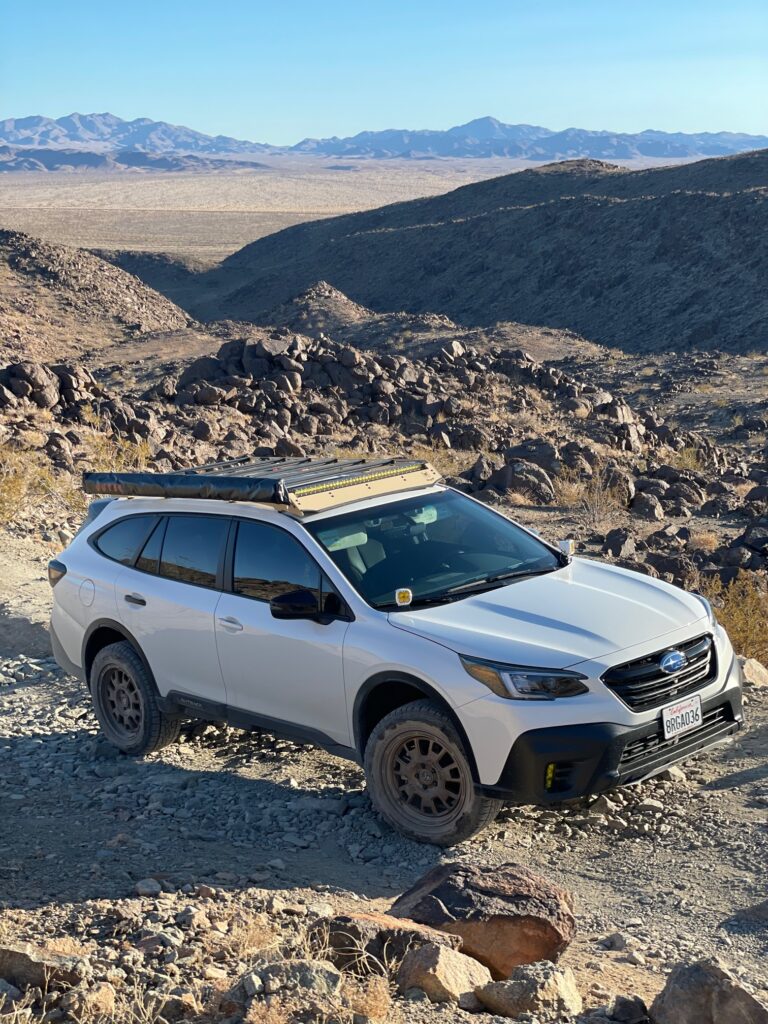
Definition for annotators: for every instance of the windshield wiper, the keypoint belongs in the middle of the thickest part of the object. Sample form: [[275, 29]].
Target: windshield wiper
[[500, 577]]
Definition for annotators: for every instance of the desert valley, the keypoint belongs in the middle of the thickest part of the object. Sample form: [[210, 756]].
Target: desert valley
[[582, 344]]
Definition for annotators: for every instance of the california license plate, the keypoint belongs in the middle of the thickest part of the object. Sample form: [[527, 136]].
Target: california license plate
[[682, 717]]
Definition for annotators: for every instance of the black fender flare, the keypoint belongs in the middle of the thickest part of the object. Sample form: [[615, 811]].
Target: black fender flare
[[116, 627], [381, 679]]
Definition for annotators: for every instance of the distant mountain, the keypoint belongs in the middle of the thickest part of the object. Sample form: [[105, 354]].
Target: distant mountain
[[668, 258], [26, 158], [100, 133], [486, 137], [483, 137]]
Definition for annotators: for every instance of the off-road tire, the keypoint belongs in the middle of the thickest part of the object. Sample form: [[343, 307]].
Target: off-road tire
[[420, 779], [125, 702]]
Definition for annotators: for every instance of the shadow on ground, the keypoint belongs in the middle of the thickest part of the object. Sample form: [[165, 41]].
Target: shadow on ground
[[19, 635]]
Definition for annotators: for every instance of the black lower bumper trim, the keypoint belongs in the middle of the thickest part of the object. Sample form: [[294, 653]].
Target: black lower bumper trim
[[561, 763]]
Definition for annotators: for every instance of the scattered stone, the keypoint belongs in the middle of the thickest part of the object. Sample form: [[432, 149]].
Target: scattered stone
[[446, 975], [538, 988], [706, 992]]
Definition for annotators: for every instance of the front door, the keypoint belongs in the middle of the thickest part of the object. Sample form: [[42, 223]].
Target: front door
[[288, 670]]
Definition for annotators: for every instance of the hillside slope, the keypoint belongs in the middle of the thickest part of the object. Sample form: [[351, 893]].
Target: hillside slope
[[644, 260], [56, 302]]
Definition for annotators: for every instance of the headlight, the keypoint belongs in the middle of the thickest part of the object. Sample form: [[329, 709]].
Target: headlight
[[709, 609], [517, 683]]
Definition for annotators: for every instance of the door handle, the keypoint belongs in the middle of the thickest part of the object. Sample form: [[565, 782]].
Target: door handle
[[135, 599], [232, 624]]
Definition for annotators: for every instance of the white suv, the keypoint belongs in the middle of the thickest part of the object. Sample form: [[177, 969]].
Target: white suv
[[366, 608]]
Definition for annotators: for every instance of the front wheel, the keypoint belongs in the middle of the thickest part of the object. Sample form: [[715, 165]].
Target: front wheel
[[419, 778], [125, 702]]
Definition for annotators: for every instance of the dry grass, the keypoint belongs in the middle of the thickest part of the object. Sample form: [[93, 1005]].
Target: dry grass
[[690, 458], [742, 608], [25, 479], [595, 501], [29, 482], [704, 540]]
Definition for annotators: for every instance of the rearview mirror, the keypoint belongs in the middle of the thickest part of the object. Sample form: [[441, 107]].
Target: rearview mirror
[[296, 604]]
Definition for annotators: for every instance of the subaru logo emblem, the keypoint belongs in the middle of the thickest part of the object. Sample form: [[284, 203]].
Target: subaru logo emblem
[[672, 662]]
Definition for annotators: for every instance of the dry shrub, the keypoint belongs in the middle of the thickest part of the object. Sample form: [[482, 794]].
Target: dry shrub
[[248, 936], [704, 540], [25, 477], [742, 607], [368, 997], [596, 501], [277, 1012], [690, 458]]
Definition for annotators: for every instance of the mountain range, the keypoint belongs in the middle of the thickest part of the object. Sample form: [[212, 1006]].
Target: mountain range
[[483, 137]]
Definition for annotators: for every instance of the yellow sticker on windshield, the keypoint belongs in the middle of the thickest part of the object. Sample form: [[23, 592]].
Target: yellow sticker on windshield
[[403, 597]]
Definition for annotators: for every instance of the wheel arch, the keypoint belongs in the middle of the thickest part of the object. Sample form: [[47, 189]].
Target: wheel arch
[[385, 692], [103, 632]]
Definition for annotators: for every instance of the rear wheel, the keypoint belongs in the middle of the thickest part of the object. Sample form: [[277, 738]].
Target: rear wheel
[[125, 702], [419, 777]]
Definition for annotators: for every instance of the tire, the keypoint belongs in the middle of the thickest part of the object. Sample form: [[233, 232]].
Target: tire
[[430, 798], [125, 702]]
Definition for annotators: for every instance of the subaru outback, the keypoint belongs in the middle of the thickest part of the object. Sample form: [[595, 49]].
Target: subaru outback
[[364, 606]]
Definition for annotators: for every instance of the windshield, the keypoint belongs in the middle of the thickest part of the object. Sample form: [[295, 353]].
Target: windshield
[[441, 547]]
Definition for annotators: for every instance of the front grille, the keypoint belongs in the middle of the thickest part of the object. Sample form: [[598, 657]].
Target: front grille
[[649, 753], [641, 684]]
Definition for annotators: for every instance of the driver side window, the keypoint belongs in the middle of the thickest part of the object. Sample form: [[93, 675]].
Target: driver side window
[[269, 562]]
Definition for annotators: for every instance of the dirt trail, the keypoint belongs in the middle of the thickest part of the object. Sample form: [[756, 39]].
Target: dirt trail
[[83, 824]]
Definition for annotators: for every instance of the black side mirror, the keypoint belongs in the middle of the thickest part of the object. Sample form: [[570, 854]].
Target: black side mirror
[[296, 604]]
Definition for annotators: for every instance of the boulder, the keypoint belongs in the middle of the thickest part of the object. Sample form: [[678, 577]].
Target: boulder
[[524, 478], [754, 672], [647, 506], [27, 966], [505, 916], [363, 940], [706, 993], [444, 974], [318, 977], [539, 988]]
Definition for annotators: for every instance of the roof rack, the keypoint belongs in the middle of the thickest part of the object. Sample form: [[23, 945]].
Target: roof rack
[[300, 484]]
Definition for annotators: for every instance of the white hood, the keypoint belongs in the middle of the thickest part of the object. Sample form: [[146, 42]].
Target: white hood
[[584, 611]]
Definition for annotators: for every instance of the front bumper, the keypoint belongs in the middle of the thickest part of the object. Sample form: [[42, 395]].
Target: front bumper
[[549, 765]]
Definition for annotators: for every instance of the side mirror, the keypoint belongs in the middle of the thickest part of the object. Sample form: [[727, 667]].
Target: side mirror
[[296, 604]]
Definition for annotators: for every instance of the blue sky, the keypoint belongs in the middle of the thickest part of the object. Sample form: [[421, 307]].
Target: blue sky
[[280, 70]]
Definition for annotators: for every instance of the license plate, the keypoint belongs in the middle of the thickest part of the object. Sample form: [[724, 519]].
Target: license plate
[[681, 717]]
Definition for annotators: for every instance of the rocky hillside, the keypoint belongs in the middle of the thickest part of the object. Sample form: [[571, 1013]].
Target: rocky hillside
[[669, 258], [56, 301]]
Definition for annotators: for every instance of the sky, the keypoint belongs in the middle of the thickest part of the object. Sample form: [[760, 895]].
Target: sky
[[280, 70]]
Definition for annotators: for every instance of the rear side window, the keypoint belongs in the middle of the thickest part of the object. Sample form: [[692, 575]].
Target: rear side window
[[124, 539], [269, 562], [192, 549]]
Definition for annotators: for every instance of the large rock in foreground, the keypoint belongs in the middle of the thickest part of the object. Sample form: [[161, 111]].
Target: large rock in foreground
[[706, 993], [506, 916]]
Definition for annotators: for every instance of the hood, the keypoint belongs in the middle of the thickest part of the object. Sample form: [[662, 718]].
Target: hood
[[584, 611]]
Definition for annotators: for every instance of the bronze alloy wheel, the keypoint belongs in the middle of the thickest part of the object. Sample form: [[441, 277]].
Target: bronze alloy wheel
[[426, 779], [420, 777], [122, 702], [125, 701]]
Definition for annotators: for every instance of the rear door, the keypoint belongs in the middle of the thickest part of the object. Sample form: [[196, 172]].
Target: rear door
[[289, 670], [168, 599]]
